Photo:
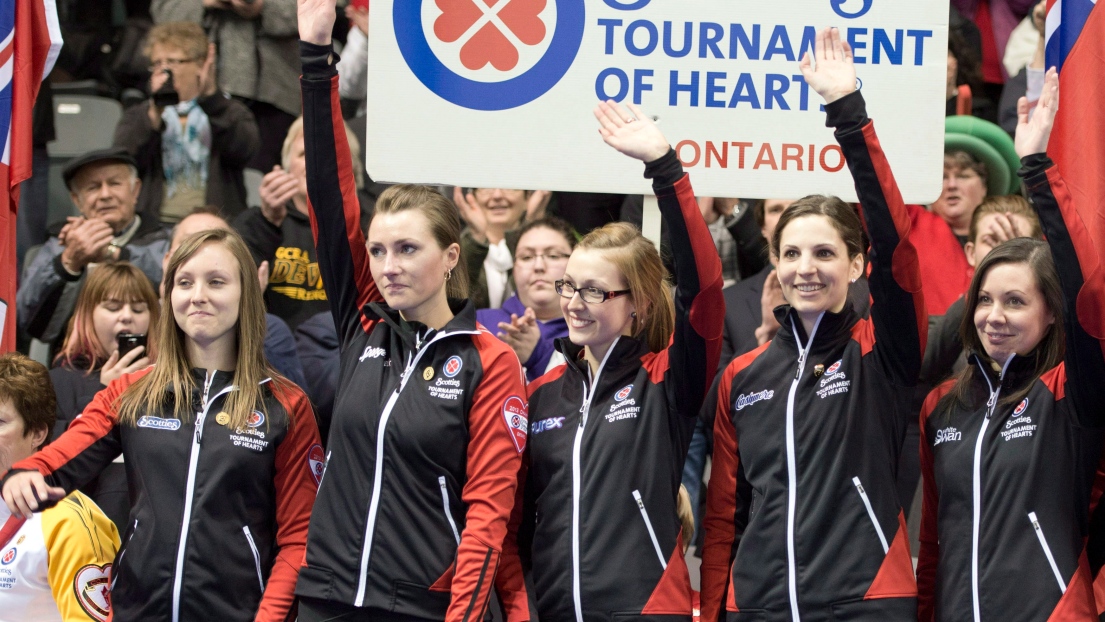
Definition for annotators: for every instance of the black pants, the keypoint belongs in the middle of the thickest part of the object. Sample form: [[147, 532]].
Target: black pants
[[316, 610]]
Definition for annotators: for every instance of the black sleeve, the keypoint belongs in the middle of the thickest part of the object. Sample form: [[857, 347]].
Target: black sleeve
[[894, 279], [1078, 265], [752, 248], [332, 194]]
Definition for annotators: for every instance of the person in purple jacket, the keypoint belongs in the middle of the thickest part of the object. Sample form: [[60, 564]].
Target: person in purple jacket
[[531, 320]]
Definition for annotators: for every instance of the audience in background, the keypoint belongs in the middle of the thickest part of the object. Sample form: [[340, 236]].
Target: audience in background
[[104, 186], [192, 152]]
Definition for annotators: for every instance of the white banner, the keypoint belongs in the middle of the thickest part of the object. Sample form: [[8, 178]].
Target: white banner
[[498, 93]]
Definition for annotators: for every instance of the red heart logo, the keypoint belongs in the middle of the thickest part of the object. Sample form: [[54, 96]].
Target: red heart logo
[[489, 46], [92, 585], [456, 18], [516, 416], [521, 16]]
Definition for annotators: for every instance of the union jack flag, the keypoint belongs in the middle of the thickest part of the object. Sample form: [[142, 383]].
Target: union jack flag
[[1075, 44], [30, 39]]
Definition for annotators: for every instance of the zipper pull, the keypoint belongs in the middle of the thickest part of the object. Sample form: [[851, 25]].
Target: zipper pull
[[990, 404], [801, 364], [199, 429]]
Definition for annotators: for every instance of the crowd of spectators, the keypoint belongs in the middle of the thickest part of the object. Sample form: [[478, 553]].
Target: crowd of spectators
[[212, 118]]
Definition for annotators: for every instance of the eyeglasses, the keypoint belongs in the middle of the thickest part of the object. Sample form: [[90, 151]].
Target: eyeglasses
[[592, 295], [554, 258], [170, 63]]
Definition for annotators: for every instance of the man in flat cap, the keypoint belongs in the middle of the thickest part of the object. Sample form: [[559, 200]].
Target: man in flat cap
[[104, 186]]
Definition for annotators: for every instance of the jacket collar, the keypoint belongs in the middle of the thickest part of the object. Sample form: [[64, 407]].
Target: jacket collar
[[627, 351], [464, 321], [1019, 371], [833, 326]]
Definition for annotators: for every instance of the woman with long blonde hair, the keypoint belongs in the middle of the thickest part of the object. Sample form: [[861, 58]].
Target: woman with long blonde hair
[[222, 454]]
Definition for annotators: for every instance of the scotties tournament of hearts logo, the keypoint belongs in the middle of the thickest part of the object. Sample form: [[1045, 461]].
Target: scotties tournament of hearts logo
[[489, 54]]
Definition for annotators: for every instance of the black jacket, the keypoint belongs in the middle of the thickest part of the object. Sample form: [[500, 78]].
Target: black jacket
[[1009, 487], [802, 515], [607, 452], [219, 516], [428, 426]]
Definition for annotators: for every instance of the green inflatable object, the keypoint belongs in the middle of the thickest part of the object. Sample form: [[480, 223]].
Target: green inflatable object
[[990, 144]]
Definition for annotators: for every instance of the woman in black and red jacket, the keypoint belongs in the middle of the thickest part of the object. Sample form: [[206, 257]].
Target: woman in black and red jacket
[[1010, 448], [220, 454], [429, 422], [803, 520], [611, 426]]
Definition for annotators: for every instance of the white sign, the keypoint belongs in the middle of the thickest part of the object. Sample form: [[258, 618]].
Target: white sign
[[498, 93]]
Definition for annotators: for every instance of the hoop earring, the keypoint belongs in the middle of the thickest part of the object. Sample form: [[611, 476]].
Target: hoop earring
[[448, 274]]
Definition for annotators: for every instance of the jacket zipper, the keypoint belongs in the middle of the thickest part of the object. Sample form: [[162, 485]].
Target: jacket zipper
[[991, 404], [115, 568], [445, 506], [588, 393], [193, 462], [871, 513], [651, 532], [1047, 551], [256, 557], [377, 480], [792, 475]]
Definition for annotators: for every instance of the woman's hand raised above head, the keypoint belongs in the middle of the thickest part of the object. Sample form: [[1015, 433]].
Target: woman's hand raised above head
[[316, 20], [631, 132], [830, 71], [1033, 134]]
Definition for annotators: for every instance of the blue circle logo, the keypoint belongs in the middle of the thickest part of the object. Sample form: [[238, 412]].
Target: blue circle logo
[[499, 43], [838, 8]]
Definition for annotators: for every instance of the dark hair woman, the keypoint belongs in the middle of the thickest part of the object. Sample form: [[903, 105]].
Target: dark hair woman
[[220, 454], [1011, 447], [802, 518], [429, 421]]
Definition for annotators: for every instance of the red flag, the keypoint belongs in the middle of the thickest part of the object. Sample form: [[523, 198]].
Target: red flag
[[1078, 141], [30, 40]]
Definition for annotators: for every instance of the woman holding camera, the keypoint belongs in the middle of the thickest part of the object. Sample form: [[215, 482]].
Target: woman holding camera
[[222, 454]]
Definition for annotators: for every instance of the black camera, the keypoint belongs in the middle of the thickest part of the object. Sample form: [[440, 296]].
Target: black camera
[[166, 95]]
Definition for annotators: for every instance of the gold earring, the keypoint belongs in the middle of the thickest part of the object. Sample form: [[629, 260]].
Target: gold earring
[[448, 273]]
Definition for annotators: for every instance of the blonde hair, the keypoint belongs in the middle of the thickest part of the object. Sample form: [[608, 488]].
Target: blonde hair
[[686, 516], [174, 371], [637, 259], [188, 37], [295, 130], [445, 224], [120, 281]]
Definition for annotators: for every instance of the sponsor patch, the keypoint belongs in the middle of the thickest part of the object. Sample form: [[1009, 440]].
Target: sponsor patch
[[371, 352], [744, 401], [835, 367], [9, 556], [158, 423], [256, 418], [1020, 407], [452, 366], [516, 415], [552, 423], [91, 585], [316, 462], [623, 393], [947, 435]]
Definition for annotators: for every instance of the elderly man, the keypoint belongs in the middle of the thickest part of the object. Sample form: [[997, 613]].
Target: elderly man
[[104, 186]]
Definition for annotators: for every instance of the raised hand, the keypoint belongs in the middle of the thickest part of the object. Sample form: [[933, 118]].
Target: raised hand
[[631, 132], [536, 203], [209, 83], [26, 490], [316, 20], [86, 242], [277, 188], [1033, 134], [831, 71], [471, 213], [770, 297]]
